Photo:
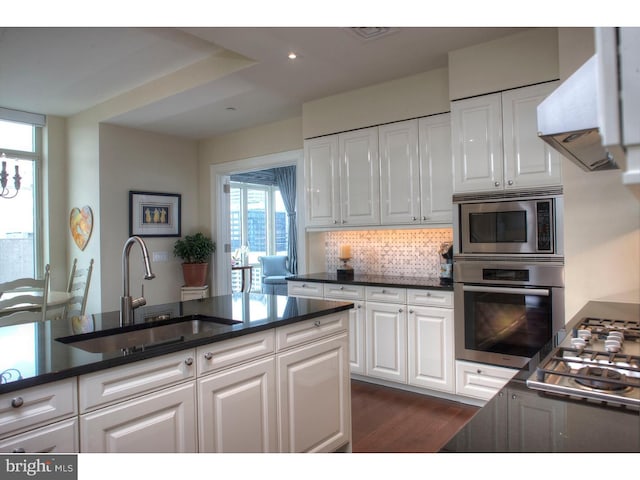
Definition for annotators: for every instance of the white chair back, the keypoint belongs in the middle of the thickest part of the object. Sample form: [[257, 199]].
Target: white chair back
[[17, 318], [78, 287], [25, 294]]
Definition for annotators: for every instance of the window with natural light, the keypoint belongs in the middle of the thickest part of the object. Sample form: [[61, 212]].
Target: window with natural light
[[258, 227]]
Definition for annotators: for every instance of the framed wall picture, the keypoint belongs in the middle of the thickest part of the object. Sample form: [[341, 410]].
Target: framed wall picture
[[153, 214]]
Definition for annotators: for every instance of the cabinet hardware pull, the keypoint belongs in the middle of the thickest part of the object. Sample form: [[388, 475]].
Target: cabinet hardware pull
[[428, 294], [414, 218], [189, 361], [317, 323], [17, 402], [341, 288], [335, 221], [425, 218], [208, 356], [411, 311], [384, 291], [344, 221], [479, 372], [399, 310], [510, 182], [359, 306], [497, 184], [514, 396], [19, 450]]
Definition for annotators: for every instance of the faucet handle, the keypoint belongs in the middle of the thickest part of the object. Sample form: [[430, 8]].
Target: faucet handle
[[138, 302]]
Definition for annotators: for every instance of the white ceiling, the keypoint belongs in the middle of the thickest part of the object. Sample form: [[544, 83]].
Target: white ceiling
[[63, 71]]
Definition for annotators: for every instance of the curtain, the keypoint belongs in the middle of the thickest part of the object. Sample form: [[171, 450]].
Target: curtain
[[286, 181]]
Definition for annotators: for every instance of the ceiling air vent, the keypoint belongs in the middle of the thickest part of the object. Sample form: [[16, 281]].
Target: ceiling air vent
[[370, 33]]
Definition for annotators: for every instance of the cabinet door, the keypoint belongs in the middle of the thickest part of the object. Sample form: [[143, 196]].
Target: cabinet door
[[534, 422], [160, 422], [431, 356], [476, 125], [322, 176], [386, 333], [314, 396], [360, 177], [436, 169], [357, 338], [529, 161], [237, 410], [400, 173], [60, 437]]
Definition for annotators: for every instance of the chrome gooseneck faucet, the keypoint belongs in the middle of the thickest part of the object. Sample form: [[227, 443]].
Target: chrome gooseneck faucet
[[128, 304]]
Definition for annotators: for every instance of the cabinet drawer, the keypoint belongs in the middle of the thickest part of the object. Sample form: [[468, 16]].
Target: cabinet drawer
[[37, 406], [310, 330], [431, 298], [60, 437], [343, 292], [304, 289], [386, 294], [219, 355], [119, 383], [481, 381]]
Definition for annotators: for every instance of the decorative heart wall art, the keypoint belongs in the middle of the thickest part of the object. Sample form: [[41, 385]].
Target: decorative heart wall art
[[81, 224]]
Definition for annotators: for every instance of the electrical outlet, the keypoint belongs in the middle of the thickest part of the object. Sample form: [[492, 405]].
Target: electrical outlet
[[159, 257]]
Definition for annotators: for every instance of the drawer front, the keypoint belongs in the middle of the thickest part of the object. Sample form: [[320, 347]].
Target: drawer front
[[59, 437], [310, 330], [481, 381], [431, 298], [37, 406], [386, 294], [343, 292], [119, 383], [305, 289], [219, 355]]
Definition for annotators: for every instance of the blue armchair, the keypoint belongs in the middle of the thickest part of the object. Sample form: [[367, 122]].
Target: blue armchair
[[274, 274]]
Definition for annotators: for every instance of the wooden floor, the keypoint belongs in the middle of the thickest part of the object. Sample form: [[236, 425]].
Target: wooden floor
[[390, 420]]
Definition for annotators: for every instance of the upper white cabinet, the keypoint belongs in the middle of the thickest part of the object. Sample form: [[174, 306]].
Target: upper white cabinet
[[496, 144], [400, 177], [394, 174], [359, 177], [322, 181]]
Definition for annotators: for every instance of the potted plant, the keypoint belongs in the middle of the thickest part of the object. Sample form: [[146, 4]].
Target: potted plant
[[194, 250]]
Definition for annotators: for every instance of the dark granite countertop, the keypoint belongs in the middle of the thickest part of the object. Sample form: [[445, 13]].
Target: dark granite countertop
[[430, 283], [50, 359], [520, 419]]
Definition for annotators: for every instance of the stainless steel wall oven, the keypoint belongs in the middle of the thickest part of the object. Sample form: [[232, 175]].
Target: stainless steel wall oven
[[505, 312]]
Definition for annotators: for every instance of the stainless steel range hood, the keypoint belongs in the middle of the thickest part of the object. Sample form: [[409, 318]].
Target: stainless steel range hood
[[568, 120]]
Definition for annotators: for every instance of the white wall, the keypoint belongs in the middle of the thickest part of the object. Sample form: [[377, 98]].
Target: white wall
[[137, 160]]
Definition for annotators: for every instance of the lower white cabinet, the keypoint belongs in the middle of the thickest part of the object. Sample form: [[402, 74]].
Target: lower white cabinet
[[479, 380], [431, 348], [386, 345], [59, 437], [159, 422], [237, 409], [314, 396]]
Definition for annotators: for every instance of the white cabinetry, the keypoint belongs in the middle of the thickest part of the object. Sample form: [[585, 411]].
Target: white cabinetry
[[40, 419], [139, 408], [481, 381], [355, 294], [386, 334], [304, 289], [322, 177], [314, 389], [430, 340], [496, 145]]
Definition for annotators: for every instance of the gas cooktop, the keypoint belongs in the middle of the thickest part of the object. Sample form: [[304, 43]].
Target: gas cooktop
[[598, 362]]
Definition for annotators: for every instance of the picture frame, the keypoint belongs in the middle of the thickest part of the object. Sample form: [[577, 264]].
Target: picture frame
[[154, 214]]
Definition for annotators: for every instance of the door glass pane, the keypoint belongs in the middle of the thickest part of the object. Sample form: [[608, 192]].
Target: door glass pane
[[17, 229]]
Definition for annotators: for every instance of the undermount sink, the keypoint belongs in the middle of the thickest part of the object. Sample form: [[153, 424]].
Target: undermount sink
[[145, 336]]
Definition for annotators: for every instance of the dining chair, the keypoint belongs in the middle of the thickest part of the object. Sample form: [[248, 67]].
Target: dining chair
[[19, 317], [78, 287], [25, 294]]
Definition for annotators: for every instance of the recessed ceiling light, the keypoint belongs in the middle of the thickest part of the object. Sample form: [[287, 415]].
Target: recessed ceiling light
[[292, 55]]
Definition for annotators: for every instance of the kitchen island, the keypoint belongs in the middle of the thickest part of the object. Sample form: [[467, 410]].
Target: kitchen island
[[521, 419], [252, 373]]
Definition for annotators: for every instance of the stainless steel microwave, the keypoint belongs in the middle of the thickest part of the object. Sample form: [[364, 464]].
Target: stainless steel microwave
[[524, 223]]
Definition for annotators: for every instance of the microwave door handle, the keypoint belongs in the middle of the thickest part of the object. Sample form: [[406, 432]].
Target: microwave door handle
[[541, 292]]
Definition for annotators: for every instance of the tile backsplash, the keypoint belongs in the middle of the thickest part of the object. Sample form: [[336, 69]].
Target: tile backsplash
[[410, 253]]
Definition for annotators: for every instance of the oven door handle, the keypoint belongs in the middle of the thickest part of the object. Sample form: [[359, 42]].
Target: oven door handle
[[541, 292]]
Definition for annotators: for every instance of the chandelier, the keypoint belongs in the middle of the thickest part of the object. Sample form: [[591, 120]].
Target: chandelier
[[4, 177]]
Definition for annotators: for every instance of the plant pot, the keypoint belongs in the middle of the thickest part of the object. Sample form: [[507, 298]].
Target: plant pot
[[195, 274]]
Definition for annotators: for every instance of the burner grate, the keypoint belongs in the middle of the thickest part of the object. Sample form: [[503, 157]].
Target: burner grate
[[603, 326]]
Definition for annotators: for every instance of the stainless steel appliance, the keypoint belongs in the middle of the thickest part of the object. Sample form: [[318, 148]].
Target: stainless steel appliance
[[528, 223], [598, 361], [506, 311]]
